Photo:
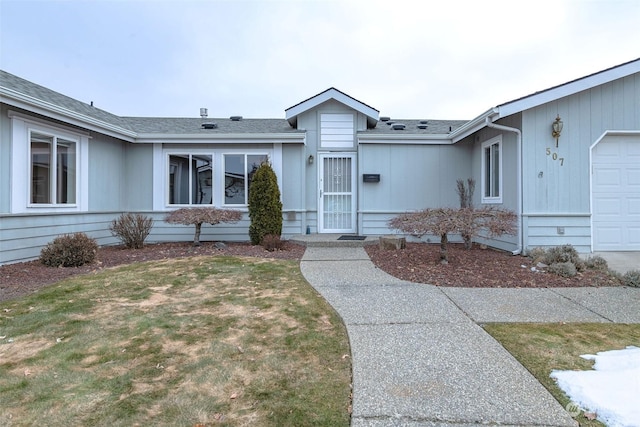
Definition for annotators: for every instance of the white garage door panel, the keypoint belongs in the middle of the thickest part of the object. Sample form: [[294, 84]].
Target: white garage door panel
[[616, 194]]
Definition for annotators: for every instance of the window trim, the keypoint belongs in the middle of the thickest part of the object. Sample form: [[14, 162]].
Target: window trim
[[485, 145], [20, 199]]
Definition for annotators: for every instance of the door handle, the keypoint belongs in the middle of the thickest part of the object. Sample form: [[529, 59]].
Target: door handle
[[321, 194]]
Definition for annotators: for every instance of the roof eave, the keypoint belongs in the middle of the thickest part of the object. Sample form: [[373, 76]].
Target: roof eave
[[413, 139], [292, 113], [472, 125], [37, 106], [229, 138], [567, 89]]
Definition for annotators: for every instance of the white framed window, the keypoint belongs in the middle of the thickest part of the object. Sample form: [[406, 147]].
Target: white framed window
[[492, 170], [52, 169], [49, 166], [189, 179], [238, 172]]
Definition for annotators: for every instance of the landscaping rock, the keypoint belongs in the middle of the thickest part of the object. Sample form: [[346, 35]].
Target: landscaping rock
[[392, 242]]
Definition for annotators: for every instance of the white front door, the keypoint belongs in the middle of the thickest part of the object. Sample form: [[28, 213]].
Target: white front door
[[337, 193]]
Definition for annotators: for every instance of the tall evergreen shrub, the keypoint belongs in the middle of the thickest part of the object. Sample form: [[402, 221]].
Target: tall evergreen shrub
[[265, 208]]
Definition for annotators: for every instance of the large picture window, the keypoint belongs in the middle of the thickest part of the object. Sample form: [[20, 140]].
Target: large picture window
[[492, 171], [190, 179], [238, 171], [53, 168]]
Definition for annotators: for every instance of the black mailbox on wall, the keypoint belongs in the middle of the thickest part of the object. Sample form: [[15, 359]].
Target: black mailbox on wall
[[370, 177]]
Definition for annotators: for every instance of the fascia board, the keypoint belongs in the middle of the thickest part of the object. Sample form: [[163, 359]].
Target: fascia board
[[472, 126], [243, 138], [34, 105], [568, 89], [326, 96], [435, 139]]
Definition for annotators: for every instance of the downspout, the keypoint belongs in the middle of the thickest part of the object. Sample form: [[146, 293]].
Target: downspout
[[518, 133]]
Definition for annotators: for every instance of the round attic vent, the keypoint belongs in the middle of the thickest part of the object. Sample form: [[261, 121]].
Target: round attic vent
[[235, 118], [209, 126], [398, 126]]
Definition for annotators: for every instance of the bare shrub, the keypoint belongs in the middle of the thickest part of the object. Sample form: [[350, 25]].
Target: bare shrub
[[201, 215], [131, 229], [69, 250], [537, 255]]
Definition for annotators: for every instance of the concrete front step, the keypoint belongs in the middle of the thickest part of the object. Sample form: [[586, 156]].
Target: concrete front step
[[331, 240]]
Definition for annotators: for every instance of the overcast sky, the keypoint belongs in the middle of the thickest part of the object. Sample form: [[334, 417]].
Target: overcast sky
[[417, 59]]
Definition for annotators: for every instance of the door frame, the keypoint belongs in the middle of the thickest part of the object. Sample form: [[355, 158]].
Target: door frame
[[354, 191]]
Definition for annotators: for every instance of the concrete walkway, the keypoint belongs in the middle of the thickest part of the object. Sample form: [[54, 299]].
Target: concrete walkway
[[419, 357]]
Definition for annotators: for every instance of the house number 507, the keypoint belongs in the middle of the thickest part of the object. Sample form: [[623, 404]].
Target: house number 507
[[554, 156]]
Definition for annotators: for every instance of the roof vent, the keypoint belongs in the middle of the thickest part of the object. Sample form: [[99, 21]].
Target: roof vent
[[422, 126], [389, 122], [385, 119], [209, 126], [235, 118], [424, 122], [398, 126], [204, 112]]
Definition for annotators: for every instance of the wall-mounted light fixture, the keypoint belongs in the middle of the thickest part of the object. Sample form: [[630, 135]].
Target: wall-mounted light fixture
[[310, 159], [556, 129]]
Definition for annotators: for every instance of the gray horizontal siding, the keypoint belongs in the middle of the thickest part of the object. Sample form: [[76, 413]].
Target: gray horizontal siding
[[22, 237], [542, 231]]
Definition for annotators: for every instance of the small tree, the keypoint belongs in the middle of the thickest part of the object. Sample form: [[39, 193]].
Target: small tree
[[442, 221], [265, 207], [199, 216]]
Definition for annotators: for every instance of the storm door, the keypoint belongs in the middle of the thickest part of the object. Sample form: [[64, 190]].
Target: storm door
[[337, 193]]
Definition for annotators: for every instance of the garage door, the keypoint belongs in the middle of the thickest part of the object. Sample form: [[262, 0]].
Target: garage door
[[616, 194]]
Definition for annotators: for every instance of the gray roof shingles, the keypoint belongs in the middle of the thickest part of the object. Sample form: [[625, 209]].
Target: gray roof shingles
[[185, 126]]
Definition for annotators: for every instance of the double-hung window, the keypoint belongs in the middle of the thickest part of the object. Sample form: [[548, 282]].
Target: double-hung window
[[492, 171], [190, 179], [238, 172], [53, 166]]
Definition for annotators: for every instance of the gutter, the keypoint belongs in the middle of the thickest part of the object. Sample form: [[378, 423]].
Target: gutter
[[518, 133]]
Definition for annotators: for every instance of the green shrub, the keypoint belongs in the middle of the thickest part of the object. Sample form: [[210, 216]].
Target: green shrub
[[631, 278], [596, 263], [132, 230], [265, 207], [564, 269], [272, 242], [563, 254], [70, 250]]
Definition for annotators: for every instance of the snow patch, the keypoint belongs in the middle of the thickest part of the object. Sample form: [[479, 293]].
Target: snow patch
[[611, 390]]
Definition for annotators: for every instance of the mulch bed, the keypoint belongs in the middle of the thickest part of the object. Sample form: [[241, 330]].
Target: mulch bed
[[477, 268]]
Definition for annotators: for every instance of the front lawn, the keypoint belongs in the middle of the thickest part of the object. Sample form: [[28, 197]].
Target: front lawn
[[543, 347], [194, 341]]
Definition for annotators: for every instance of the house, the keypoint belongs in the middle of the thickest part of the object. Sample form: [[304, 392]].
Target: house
[[67, 166]]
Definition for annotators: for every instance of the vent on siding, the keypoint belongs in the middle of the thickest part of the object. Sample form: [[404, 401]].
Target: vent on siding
[[398, 126], [235, 118], [209, 126]]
